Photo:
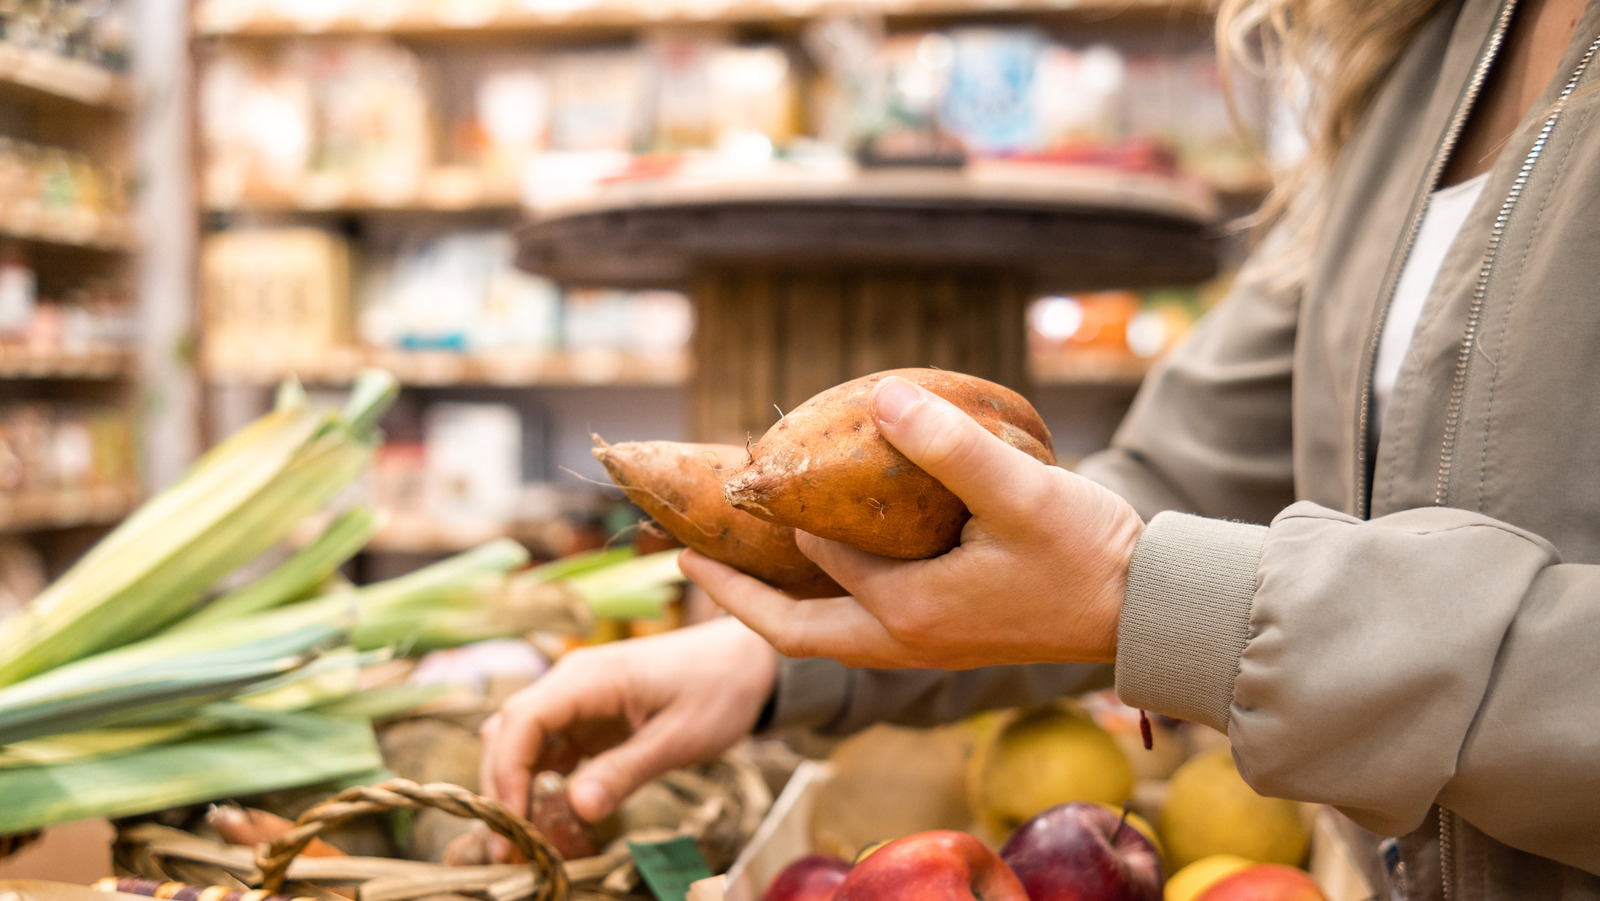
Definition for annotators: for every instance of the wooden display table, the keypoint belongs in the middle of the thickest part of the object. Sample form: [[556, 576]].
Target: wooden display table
[[805, 280]]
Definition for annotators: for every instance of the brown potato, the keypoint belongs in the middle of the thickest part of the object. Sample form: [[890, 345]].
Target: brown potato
[[680, 486], [824, 467]]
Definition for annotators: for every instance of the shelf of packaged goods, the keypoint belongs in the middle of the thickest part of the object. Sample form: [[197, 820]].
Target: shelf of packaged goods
[[41, 511], [231, 18], [25, 364], [84, 230], [605, 368], [1070, 370], [48, 77]]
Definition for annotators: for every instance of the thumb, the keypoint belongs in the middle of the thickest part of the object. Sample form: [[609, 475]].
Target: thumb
[[991, 477], [601, 784]]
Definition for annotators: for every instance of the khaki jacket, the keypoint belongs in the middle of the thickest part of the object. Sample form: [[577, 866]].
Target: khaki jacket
[[1413, 635]]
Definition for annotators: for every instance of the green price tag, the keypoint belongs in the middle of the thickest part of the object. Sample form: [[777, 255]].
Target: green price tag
[[670, 867]]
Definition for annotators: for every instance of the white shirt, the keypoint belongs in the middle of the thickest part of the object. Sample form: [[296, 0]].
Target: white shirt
[[1447, 210]]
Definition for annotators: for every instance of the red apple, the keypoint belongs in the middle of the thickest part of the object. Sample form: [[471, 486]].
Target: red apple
[[932, 866], [815, 877], [1083, 852], [1265, 882]]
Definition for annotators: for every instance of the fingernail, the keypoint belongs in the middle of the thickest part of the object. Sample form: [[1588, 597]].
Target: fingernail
[[590, 799], [894, 399]]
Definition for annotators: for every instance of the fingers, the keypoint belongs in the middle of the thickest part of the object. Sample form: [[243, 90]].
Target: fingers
[[601, 784], [857, 570], [489, 735], [993, 478], [514, 745], [823, 627]]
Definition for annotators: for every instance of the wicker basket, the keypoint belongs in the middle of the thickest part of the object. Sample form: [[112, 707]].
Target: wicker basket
[[727, 800]]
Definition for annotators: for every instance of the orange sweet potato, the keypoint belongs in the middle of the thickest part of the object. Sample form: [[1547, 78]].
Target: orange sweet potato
[[824, 467], [680, 486]]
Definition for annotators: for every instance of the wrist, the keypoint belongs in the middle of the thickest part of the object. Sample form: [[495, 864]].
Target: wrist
[[1122, 546], [757, 668]]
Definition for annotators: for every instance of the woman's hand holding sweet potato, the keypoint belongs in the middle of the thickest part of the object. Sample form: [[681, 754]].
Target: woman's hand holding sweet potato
[[1038, 576]]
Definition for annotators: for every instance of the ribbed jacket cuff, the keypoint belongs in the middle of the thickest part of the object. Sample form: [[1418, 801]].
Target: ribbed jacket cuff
[[811, 693], [1186, 616]]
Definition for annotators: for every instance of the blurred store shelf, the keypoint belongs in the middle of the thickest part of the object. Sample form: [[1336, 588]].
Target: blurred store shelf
[[428, 535], [447, 369], [26, 363], [458, 190], [1070, 369], [442, 190], [49, 77], [245, 18], [68, 230], [31, 512]]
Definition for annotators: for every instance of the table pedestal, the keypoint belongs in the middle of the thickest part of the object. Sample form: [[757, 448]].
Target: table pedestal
[[768, 338]]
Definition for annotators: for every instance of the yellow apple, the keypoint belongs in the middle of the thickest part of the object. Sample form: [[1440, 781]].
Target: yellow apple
[[1189, 882], [1211, 810], [1042, 758]]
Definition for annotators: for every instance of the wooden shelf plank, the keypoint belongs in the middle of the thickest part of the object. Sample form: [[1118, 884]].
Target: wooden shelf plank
[[506, 17], [51, 78], [66, 509], [21, 363], [446, 369], [443, 190], [68, 230]]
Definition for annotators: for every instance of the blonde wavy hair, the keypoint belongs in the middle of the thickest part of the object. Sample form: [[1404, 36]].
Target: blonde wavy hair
[[1327, 59]]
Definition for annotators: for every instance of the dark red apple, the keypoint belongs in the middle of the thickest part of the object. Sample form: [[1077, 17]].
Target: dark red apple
[[940, 865], [815, 877], [1083, 852]]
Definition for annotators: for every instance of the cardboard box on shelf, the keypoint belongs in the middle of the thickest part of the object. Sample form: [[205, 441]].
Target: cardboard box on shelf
[[275, 298]]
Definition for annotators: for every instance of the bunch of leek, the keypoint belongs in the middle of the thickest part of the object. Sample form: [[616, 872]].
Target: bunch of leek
[[132, 685]]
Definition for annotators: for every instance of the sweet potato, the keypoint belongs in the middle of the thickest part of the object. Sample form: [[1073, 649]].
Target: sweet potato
[[551, 811], [825, 468], [680, 486]]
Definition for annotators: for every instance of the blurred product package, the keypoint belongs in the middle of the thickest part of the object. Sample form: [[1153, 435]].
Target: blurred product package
[[80, 315], [54, 451], [274, 299], [459, 292], [278, 300], [54, 191], [94, 31], [473, 461]]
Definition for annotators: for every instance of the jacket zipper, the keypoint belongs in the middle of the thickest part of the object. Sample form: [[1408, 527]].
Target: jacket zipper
[[1447, 853], [1419, 207], [1463, 363], [1458, 385]]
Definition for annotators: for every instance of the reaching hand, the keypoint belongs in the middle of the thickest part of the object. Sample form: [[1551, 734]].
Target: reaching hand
[[638, 708], [1038, 576]]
